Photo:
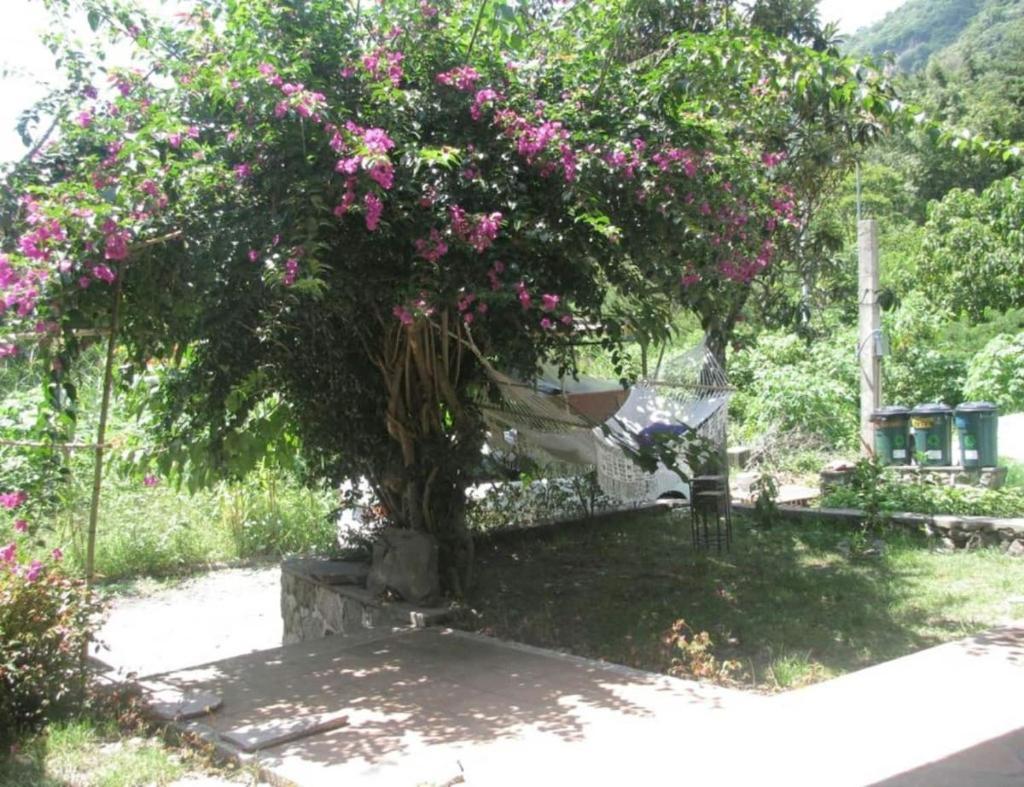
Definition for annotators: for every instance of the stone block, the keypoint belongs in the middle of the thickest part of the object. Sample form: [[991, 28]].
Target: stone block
[[329, 572], [405, 563]]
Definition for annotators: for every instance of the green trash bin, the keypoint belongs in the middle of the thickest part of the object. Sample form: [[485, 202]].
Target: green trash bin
[[977, 424], [892, 435], [932, 428]]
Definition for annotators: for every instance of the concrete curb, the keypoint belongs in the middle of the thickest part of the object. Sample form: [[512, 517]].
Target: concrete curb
[[944, 524]]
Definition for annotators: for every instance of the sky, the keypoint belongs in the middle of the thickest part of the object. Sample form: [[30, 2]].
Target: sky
[[855, 14], [25, 62]]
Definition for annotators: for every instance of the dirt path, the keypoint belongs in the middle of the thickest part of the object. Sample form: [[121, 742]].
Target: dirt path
[[206, 618]]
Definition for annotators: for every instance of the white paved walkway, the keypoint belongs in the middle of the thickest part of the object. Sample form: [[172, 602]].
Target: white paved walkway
[[212, 616], [426, 707]]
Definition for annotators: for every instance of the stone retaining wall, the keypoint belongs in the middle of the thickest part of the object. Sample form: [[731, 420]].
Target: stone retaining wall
[[324, 598]]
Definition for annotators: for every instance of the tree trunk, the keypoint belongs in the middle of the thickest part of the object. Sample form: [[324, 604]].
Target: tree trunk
[[437, 438]]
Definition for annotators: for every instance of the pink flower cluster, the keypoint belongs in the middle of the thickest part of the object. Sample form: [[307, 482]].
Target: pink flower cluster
[[685, 159], [627, 160], [382, 63], [30, 572], [470, 307], [482, 100], [369, 149], [772, 160], [743, 269], [291, 271], [305, 103], [37, 244], [407, 314], [115, 241], [544, 144], [462, 78], [478, 231], [432, 248], [12, 500], [19, 288]]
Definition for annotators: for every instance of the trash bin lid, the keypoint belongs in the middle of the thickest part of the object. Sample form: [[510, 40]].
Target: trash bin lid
[[977, 407], [932, 407], [890, 411]]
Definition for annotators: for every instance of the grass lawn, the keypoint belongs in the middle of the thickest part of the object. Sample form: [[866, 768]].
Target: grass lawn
[[109, 747], [793, 604], [90, 753]]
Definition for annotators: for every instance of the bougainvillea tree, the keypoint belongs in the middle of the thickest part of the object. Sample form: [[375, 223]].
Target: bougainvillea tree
[[347, 209]]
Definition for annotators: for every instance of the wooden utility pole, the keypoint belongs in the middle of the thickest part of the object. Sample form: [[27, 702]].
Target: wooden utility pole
[[870, 325]]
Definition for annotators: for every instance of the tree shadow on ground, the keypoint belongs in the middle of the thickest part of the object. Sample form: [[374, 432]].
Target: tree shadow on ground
[[432, 693]]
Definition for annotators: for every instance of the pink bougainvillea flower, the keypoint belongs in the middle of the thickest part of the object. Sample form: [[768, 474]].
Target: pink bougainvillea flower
[[428, 11], [57, 554], [115, 247], [403, 314], [33, 571], [482, 99], [524, 295], [20, 526], [8, 552], [432, 248], [395, 67], [377, 141], [104, 273], [546, 324], [374, 209], [549, 302], [84, 119], [254, 255], [11, 500], [242, 171], [8, 350], [150, 480], [383, 174], [348, 166], [291, 272], [462, 78]]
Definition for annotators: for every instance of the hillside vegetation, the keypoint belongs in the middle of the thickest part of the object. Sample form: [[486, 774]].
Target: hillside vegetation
[[917, 29]]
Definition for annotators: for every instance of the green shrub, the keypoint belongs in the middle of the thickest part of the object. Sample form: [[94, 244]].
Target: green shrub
[[926, 498], [45, 620], [996, 374], [785, 385]]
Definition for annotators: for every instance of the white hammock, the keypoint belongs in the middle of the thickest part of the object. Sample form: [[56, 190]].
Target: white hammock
[[547, 421]]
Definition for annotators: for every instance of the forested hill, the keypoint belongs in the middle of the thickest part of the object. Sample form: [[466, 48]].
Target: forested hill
[[920, 28]]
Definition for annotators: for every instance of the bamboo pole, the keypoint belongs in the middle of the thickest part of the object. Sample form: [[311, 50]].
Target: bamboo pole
[[101, 434]]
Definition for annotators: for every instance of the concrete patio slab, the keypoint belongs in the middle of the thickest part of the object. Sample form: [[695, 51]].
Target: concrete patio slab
[[428, 706], [431, 706]]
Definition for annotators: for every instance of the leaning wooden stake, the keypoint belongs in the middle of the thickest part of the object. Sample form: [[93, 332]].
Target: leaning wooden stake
[[101, 435]]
